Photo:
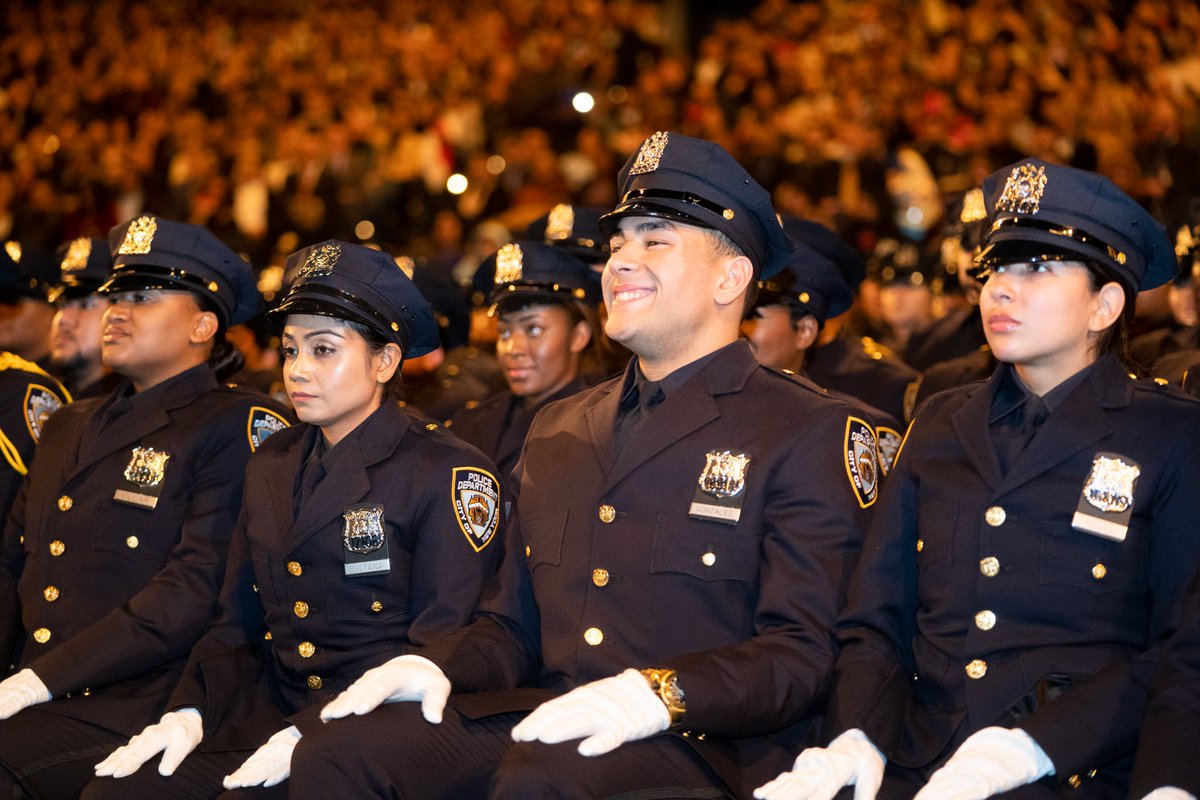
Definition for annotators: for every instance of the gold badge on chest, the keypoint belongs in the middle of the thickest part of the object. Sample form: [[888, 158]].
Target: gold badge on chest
[[143, 477]]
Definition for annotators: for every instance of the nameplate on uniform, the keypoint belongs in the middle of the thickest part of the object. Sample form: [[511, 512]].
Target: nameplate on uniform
[[365, 542], [720, 489], [143, 478], [1106, 502]]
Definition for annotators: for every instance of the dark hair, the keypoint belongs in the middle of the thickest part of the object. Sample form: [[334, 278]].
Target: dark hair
[[225, 360], [1115, 338], [394, 388], [723, 246]]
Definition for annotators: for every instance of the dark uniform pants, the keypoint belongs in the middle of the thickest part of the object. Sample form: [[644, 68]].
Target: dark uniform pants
[[198, 778], [394, 753], [47, 756]]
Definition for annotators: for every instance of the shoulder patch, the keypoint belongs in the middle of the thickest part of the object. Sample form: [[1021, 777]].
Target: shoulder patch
[[475, 494], [40, 403], [260, 424], [862, 460], [889, 445]]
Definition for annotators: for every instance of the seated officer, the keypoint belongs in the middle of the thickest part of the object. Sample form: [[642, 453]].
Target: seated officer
[[25, 309], [669, 584], [116, 546], [84, 265], [546, 302]]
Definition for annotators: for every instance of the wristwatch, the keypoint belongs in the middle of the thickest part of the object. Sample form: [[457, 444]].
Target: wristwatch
[[665, 684]]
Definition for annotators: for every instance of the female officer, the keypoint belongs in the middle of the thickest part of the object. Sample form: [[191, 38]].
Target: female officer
[[1036, 535], [546, 299], [364, 532], [115, 548]]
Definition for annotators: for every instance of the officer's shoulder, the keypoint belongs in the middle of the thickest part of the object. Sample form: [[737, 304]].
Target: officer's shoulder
[[474, 409], [436, 439], [15, 370], [792, 381], [1161, 392]]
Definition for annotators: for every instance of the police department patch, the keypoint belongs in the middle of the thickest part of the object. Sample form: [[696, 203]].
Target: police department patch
[[862, 460], [889, 445], [476, 496], [261, 424], [40, 403]]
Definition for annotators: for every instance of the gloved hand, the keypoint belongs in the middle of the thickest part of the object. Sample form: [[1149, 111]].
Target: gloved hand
[[269, 764], [174, 735], [988, 762], [609, 712], [1170, 793], [406, 677], [820, 772], [21, 691]]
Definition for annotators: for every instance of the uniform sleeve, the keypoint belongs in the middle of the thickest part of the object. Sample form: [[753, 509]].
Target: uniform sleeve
[[814, 527], [163, 620], [12, 561]]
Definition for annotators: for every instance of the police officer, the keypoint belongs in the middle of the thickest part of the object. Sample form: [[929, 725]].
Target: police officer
[[84, 264], [364, 534], [903, 271], [115, 548], [1036, 534], [25, 309], [546, 301], [669, 586]]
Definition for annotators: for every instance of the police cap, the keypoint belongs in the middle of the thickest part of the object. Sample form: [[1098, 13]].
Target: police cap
[[151, 252], [352, 282], [529, 273], [1047, 212], [819, 277], [699, 183], [27, 270], [575, 229], [83, 264]]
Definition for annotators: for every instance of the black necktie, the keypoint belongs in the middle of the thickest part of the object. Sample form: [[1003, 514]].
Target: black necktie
[[1016, 439], [310, 476], [643, 398]]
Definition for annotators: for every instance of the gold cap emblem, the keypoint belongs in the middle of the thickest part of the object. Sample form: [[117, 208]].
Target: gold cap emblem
[[973, 208], [724, 473], [648, 157], [1023, 190], [14, 250], [561, 222], [1110, 486], [77, 255], [510, 264], [138, 236], [320, 262]]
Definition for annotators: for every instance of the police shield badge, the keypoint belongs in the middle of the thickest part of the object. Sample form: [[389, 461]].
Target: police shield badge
[[476, 497], [1106, 503], [719, 490], [862, 460], [889, 445], [261, 423], [143, 477], [40, 403], [365, 541]]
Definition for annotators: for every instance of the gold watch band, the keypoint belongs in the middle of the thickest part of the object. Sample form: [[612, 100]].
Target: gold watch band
[[665, 684]]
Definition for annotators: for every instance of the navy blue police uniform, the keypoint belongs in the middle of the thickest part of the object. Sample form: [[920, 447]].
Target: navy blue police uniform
[[115, 548], [385, 552], [1022, 566], [694, 547]]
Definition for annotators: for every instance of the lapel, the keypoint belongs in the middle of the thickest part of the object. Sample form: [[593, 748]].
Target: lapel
[[348, 482], [144, 418], [600, 416], [970, 421], [685, 410]]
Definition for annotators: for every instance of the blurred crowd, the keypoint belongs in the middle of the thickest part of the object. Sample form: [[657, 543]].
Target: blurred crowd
[[287, 123]]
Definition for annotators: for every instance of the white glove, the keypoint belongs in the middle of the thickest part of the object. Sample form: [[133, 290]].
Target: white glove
[[21, 691], [819, 773], [1170, 793], [609, 712], [268, 765], [175, 735], [403, 678], [988, 762]]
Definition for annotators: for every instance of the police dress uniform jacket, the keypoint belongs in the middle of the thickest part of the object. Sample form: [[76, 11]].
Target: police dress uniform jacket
[[611, 564], [978, 603], [861, 371], [498, 425], [298, 623], [28, 396], [116, 545]]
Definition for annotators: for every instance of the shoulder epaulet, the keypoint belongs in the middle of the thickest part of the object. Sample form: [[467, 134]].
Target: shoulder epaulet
[[795, 378], [13, 361]]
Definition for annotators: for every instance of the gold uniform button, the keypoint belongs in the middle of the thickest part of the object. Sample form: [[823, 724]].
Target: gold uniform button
[[294, 568], [1099, 571], [315, 682], [995, 516], [607, 513], [976, 669], [51, 593], [985, 620], [377, 606], [708, 559], [1075, 781], [57, 548], [431, 426], [306, 649], [301, 609], [65, 502], [989, 567], [267, 636], [41, 635], [527, 551], [132, 542], [600, 577], [593, 636], [920, 545]]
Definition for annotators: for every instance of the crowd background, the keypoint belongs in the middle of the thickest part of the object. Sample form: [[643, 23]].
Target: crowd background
[[281, 124]]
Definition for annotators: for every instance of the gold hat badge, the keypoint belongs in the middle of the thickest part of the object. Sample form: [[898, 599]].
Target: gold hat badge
[[561, 222], [973, 208], [648, 157], [138, 236], [320, 262], [1023, 190], [14, 250], [77, 255], [510, 263]]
